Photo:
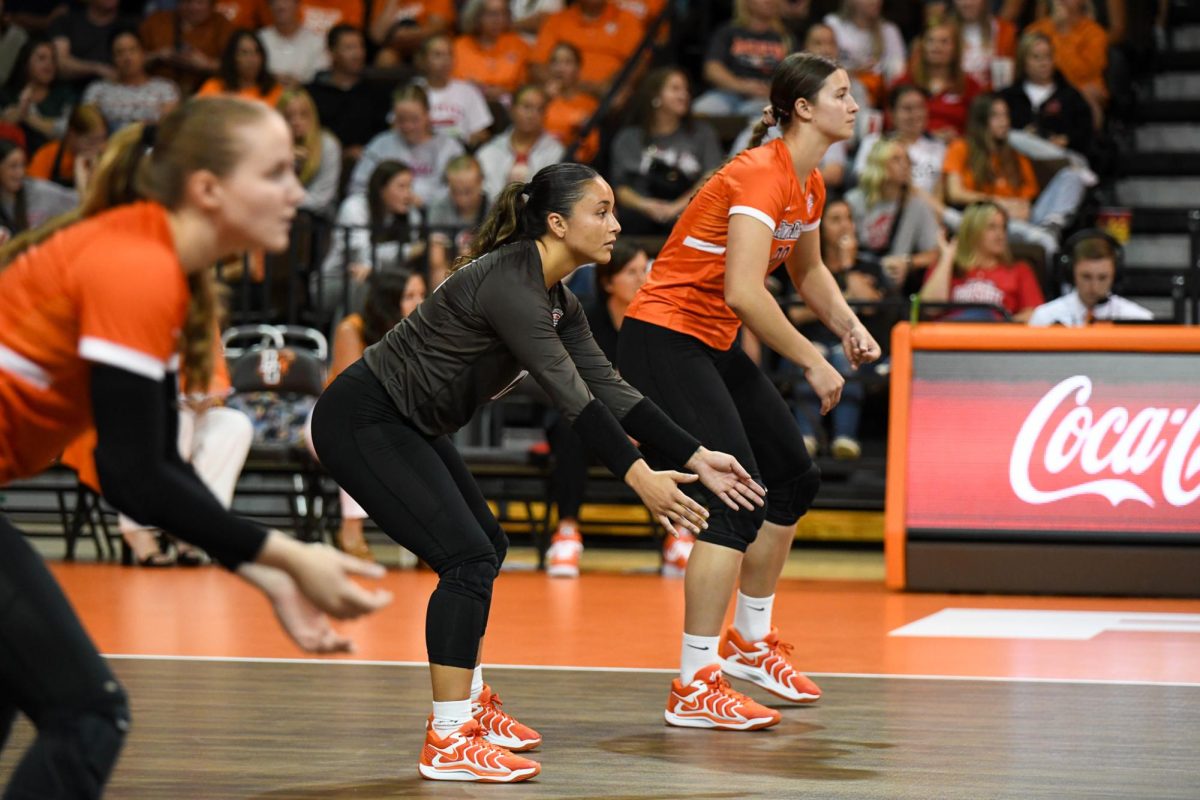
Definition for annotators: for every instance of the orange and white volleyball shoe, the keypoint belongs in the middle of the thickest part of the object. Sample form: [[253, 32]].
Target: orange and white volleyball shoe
[[765, 662], [465, 755], [709, 702], [501, 728], [562, 557]]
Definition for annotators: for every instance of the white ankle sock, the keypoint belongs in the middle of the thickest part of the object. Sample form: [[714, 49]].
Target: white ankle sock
[[697, 653], [752, 617], [476, 683], [450, 715]]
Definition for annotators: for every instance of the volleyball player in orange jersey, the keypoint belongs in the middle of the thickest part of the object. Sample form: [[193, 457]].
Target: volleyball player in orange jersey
[[678, 346], [90, 321]]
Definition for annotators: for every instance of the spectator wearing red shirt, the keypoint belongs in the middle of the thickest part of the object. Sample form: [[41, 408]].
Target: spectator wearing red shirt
[[977, 267], [936, 67]]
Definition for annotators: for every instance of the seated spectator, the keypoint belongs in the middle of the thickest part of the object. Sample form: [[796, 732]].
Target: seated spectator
[[377, 230], [984, 166], [936, 67], [908, 115], [869, 46], [569, 107], [1080, 51], [454, 218], [25, 202], [390, 297], [318, 154], [244, 72], [1092, 259], [132, 96], [185, 44], [741, 57], [12, 40], [456, 108], [895, 221], [490, 52], [977, 267], [81, 38], [662, 157], [523, 149], [352, 108], [69, 161], [1042, 103], [859, 281], [617, 281], [986, 37], [249, 14], [602, 34], [295, 53], [35, 98], [413, 141], [400, 27]]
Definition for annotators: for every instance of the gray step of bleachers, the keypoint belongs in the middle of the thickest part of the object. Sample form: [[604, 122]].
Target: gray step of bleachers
[[1186, 37], [1169, 137], [1177, 86], [1160, 250], [1183, 192]]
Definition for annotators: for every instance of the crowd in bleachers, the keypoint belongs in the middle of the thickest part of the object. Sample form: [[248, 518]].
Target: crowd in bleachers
[[989, 119]]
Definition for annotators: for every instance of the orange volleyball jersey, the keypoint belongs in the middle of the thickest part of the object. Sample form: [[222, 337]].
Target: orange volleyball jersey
[[686, 288], [108, 290]]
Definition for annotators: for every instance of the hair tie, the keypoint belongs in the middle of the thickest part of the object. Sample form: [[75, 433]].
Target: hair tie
[[527, 189], [149, 134], [768, 116]]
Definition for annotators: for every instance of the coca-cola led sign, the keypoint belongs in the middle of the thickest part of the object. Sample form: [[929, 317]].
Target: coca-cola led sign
[[1055, 442]]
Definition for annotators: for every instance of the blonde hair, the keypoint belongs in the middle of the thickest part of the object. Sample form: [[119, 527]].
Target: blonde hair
[[741, 18], [874, 175], [312, 142], [975, 220], [141, 163]]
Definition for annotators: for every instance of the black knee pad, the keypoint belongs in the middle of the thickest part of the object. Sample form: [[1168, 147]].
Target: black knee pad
[[472, 579], [733, 529], [83, 745], [500, 542], [789, 500]]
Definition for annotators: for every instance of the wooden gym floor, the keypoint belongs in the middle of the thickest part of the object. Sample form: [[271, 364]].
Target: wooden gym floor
[[926, 696]]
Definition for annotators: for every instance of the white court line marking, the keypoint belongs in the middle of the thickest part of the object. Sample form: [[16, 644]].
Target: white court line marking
[[544, 668], [1004, 623]]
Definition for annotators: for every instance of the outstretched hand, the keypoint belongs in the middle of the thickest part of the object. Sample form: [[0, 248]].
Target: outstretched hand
[[722, 475]]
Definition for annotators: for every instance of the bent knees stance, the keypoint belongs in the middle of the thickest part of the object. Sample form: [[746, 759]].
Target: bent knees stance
[[458, 611], [789, 499], [75, 749]]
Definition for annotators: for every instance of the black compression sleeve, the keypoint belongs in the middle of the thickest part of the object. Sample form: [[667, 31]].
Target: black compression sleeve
[[601, 432], [140, 478], [647, 423]]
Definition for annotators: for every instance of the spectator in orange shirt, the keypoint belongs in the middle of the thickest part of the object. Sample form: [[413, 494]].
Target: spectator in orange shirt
[[252, 14], [604, 35], [244, 72], [321, 16], [1080, 50], [490, 53], [985, 38], [185, 45], [569, 108], [69, 162], [400, 26], [983, 166]]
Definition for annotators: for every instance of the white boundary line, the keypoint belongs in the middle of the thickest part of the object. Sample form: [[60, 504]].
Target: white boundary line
[[537, 667]]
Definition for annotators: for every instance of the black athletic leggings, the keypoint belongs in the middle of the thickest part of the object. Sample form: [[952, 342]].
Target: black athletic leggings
[[419, 491], [724, 400], [51, 672]]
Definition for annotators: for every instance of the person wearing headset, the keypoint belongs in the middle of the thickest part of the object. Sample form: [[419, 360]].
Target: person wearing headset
[[1093, 265]]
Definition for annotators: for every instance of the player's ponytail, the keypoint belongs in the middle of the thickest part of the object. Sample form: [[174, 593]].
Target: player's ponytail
[[521, 210]]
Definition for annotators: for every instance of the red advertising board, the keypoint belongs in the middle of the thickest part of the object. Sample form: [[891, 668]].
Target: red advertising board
[[1023, 432]]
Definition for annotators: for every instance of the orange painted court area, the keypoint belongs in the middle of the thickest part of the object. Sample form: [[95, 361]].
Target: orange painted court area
[[632, 621]]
